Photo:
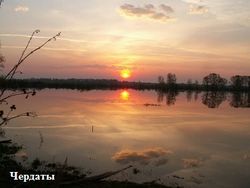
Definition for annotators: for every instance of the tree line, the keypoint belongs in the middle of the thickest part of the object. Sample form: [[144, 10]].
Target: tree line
[[213, 81]]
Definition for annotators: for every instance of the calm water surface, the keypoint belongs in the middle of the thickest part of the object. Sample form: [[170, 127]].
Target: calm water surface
[[167, 137]]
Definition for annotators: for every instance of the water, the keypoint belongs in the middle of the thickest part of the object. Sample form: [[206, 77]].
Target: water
[[193, 139]]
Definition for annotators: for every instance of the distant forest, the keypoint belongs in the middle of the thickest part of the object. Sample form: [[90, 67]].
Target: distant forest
[[211, 82]]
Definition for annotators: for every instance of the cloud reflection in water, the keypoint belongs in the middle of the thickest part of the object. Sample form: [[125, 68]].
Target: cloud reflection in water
[[144, 157]]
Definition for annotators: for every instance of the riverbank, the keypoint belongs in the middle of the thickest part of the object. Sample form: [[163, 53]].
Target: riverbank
[[65, 176], [105, 84]]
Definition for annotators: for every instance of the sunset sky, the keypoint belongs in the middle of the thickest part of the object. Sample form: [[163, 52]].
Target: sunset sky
[[100, 38]]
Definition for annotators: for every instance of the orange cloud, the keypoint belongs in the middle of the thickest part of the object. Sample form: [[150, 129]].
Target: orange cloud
[[166, 8], [197, 9], [147, 11]]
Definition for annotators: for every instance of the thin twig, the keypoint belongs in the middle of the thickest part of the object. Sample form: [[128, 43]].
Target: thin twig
[[22, 59], [26, 114], [14, 95]]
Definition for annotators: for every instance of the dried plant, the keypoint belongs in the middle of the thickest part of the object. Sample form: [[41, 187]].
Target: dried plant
[[7, 115]]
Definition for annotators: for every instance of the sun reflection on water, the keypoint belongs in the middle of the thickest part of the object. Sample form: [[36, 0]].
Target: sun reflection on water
[[124, 95]]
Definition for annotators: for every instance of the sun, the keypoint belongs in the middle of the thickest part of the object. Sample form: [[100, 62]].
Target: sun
[[125, 73]]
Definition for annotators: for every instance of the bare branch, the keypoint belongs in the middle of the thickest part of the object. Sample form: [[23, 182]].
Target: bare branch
[[4, 119], [25, 49], [26, 114], [22, 59], [16, 94]]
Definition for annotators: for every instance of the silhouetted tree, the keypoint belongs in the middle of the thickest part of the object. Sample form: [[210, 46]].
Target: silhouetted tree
[[189, 81], [161, 80], [237, 81], [171, 79], [213, 99], [214, 81], [240, 81]]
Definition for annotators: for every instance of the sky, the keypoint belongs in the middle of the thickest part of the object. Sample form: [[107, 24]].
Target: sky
[[101, 38]]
